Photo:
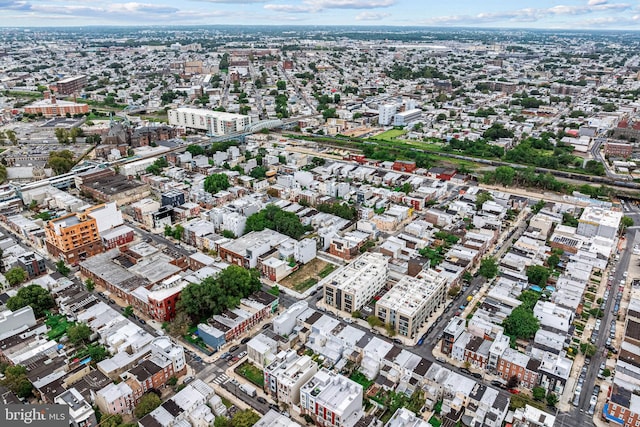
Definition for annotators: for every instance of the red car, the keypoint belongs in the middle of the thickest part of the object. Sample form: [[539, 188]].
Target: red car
[[514, 391]]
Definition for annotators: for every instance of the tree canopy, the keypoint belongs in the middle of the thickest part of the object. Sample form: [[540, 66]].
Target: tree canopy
[[343, 210], [148, 403], [15, 276], [216, 182], [78, 333], [37, 297], [538, 275], [488, 268], [61, 161], [521, 323], [215, 294], [15, 379], [274, 218]]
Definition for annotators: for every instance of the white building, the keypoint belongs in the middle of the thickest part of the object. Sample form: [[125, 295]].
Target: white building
[[214, 122], [405, 418], [80, 411], [261, 350], [385, 114], [406, 117], [411, 301], [15, 321], [354, 285], [332, 399], [284, 377], [599, 222], [276, 419]]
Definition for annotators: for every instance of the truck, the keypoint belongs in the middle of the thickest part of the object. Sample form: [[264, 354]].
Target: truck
[[248, 389]]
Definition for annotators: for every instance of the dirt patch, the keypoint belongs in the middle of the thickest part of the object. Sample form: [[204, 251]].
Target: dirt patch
[[308, 275]]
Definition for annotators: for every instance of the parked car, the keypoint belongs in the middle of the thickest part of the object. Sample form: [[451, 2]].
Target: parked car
[[592, 405], [465, 370], [476, 374], [245, 340], [241, 355], [266, 326], [397, 341], [112, 301], [234, 349], [274, 407], [514, 391], [262, 400]]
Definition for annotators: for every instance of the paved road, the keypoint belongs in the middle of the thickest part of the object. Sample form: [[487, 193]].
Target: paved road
[[171, 246]]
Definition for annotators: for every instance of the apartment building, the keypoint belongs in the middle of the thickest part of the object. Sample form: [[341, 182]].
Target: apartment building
[[32, 263], [408, 305], [81, 414], [451, 333], [331, 399], [616, 149], [73, 237], [513, 363], [285, 376], [71, 85], [351, 287], [214, 122]]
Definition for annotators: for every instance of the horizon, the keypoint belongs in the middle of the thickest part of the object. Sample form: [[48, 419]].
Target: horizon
[[490, 14]]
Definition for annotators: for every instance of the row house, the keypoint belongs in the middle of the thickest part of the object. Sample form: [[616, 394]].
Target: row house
[[513, 363]]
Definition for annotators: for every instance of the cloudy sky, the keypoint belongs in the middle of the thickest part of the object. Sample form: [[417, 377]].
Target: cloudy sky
[[572, 14]]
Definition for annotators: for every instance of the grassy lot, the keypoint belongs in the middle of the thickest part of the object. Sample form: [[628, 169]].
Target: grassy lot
[[308, 275], [58, 325], [251, 373], [390, 134], [361, 379]]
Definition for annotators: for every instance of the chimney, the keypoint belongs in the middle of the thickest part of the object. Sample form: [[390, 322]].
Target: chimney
[[53, 98]]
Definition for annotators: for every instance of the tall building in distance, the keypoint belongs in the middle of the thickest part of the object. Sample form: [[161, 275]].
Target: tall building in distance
[[386, 113], [214, 122], [71, 85]]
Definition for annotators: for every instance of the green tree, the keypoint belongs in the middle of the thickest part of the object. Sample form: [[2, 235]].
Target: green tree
[[15, 276], [11, 136], [274, 218], [553, 261], [216, 182], [33, 295], [196, 150], [538, 206], [228, 234], [97, 353], [453, 291], [127, 311], [62, 135], [521, 323], [61, 161], [529, 299], [90, 285], [505, 175], [62, 268], [78, 333], [488, 268], [111, 420], [481, 198], [606, 372], [148, 403], [258, 172], [374, 321], [15, 379], [552, 399], [625, 223], [539, 393], [215, 294], [588, 349], [538, 275], [281, 85], [245, 418]]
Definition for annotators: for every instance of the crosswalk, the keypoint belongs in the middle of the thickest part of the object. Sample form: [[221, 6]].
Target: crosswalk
[[221, 379]]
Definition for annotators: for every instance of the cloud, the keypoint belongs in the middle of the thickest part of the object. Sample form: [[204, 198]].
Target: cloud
[[371, 16], [131, 9], [596, 2], [14, 5], [314, 6], [529, 14], [232, 1]]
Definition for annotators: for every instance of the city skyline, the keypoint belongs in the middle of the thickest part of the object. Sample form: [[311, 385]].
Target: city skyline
[[545, 14]]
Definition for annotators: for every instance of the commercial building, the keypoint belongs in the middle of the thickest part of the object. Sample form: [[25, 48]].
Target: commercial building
[[408, 305], [245, 250], [73, 237], [331, 399], [406, 117], [51, 107], [353, 286], [71, 85], [285, 376], [599, 222], [616, 149], [214, 122]]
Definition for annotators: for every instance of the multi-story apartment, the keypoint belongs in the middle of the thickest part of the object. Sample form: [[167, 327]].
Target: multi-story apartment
[[73, 237], [331, 399], [71, 85], [354, 285], [408, 305], [32, 263], [214, 122], [599, 222], [616, 149], [386, 113], [284, 377], [451, 333], [513, 363]]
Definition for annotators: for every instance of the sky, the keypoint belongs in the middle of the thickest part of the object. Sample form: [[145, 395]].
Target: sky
[[544, 14]]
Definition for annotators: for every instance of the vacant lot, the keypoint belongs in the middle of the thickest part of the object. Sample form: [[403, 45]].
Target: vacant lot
[[308, 275], [390, 134]]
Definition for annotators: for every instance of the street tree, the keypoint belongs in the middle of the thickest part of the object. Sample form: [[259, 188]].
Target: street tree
[[148, 403], [488, 268]]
